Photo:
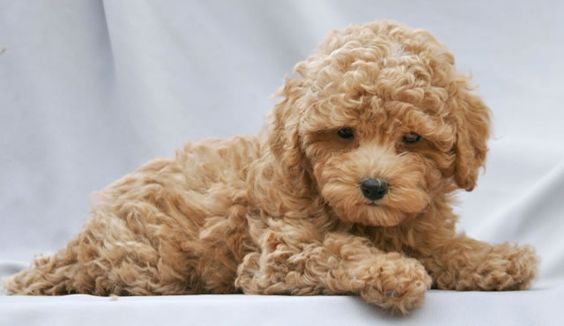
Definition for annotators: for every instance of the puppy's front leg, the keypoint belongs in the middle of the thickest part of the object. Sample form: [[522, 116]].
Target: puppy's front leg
[[339, 263], [462, 263]]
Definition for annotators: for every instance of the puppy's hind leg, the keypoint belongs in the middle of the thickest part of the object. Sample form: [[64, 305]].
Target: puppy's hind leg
[[50, 275], [103, 259]]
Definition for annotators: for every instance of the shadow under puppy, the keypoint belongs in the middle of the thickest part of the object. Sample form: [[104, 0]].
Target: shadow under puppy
[[347, 191]]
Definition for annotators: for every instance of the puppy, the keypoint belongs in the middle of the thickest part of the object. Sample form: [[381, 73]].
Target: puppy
[[347, 191]]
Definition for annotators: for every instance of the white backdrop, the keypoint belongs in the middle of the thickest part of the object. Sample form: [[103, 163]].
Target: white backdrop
[[89, 90]]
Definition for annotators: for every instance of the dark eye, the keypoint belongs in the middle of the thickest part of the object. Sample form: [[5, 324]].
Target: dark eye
[[345, 133], [411, 138]]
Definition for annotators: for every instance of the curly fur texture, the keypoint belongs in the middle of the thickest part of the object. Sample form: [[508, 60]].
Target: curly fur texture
[[282, 213]]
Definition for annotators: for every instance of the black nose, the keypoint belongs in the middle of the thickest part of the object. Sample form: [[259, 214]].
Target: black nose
[[374, 189]]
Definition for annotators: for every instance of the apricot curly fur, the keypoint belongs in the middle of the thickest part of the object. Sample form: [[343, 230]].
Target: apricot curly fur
[[282, 213]]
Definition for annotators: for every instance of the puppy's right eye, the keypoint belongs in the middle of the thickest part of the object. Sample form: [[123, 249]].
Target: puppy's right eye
[[346, 133]]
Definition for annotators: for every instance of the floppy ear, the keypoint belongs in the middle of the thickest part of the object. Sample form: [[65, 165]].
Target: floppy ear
[[473, 130], [284, 139], [281, 180]]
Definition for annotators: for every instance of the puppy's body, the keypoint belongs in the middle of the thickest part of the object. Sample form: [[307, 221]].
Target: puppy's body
[[346, 192], [173, 226]]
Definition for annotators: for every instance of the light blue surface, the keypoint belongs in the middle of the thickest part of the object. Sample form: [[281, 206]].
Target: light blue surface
[[91, 89]]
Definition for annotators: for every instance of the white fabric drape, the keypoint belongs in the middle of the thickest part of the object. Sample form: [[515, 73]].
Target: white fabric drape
[[91, 89]]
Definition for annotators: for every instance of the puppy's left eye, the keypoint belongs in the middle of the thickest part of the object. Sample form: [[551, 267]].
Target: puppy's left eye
[[345, 133], [411, 138]]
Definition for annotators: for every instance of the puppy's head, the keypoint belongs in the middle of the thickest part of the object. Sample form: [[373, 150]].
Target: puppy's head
[[380, 123]]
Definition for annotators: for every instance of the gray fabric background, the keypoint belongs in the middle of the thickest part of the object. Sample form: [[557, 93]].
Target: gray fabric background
[[89, 90]]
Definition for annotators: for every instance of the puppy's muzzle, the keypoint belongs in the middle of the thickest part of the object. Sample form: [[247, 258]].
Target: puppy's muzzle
[[374, 188]]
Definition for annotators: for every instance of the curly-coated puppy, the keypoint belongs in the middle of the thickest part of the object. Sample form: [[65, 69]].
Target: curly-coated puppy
[[347, 191]]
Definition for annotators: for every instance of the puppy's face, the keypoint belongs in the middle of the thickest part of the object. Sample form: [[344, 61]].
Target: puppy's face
[[380, 162], [384, 123]]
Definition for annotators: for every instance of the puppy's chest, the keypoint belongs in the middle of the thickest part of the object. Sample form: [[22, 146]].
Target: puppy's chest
[[385, 239]]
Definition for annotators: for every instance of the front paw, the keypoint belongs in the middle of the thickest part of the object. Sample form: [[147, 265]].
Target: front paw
[[398, 284], [507, 267], [246, 272]]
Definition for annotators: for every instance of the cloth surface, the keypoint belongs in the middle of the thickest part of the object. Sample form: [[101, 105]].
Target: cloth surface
[[90, 90]]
